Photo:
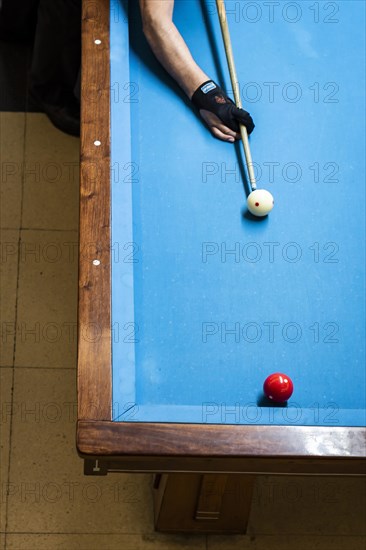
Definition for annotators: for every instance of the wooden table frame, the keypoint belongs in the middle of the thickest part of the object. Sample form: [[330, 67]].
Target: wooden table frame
[[160, 447]]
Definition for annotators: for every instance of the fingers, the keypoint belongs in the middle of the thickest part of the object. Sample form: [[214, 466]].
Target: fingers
[[221, 135], [217, 127]]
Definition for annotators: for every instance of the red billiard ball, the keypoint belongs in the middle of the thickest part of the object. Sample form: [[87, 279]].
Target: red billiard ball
[[278, 387]]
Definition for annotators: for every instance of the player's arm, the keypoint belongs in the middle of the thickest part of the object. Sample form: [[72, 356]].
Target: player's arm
[[173, 53]]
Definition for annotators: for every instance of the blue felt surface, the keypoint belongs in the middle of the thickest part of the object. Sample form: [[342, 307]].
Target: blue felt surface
[[206, 301]]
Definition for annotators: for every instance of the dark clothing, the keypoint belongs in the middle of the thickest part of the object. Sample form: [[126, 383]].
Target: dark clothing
[[54, 77], [57, 51], [18, 19], [56, 25]]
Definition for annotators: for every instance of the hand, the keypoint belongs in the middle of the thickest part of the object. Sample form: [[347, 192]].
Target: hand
[[220, 113], [218, 128]]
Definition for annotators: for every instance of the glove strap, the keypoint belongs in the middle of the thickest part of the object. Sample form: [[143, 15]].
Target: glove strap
[[200, 94]]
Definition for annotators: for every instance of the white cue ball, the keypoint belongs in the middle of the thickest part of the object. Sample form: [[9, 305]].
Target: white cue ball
[[260, 202]]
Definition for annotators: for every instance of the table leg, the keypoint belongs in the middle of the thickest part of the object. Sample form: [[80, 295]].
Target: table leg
[[205, 503]]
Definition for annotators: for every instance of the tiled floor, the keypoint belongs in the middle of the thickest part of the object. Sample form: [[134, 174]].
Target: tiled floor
[[46, 501]]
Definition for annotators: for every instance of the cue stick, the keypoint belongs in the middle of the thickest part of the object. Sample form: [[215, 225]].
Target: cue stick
[[234, 82]]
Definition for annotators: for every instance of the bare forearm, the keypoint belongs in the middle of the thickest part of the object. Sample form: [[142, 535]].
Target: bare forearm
[[220, 114], [169, 46]]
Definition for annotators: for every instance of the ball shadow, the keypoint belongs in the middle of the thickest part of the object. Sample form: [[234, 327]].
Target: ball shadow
[[263, 401], [246, 215]]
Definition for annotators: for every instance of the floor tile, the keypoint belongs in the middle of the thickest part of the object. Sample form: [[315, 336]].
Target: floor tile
[[230, 542], [286, 543], [51, 176], [105, 542], [12, 128], [47, 299], [6, 379], [49, 493], [310, 543], [8, 275], [309, 506]]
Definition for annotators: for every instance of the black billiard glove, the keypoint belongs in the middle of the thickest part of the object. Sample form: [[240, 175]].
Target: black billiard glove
[[211, 97]]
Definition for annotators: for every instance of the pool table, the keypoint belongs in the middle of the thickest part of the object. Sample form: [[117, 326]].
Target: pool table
[[187, 302]]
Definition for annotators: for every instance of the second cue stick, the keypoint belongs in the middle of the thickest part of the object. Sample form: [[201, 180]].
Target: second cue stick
[[234, 82]]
